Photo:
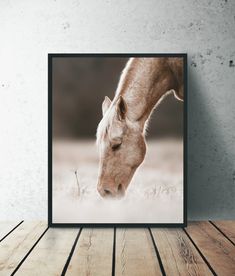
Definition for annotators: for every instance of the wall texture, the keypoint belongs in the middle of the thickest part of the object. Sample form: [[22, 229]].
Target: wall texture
[[31, 29]]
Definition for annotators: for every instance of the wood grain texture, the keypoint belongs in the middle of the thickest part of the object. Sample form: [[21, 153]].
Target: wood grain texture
[[50, 254], [6, 227], [14, 248], [178, 254], [135, 253], [227, 227], [219, 252], [93, 253]]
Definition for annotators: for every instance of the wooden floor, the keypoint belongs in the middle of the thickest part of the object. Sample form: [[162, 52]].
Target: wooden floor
[[203, 248]]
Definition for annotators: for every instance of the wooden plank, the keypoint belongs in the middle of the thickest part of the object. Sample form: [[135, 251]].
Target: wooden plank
[[14, 248], [93, 253], [227, 227], [178, 254], [50, 254], [219, 252], [135, 253], [6, 227]]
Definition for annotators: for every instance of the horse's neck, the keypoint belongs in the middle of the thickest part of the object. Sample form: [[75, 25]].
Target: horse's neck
[[142, 84]]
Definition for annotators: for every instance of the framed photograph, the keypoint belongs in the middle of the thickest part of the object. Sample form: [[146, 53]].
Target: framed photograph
[[117, 140]]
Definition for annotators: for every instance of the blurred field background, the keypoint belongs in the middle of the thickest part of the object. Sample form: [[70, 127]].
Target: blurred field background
[[79, 87]]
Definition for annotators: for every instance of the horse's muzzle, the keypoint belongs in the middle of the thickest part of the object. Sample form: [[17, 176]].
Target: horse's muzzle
[[107, 191]]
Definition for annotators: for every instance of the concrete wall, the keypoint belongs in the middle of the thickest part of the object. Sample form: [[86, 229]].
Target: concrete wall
[[30, 29]]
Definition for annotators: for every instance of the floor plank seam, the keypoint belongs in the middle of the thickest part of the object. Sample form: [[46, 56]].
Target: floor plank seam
[[31, 249], [195, 241], [221, 232], [114, 252], [157, 253], [199, 251], [11, 231], [71, 253]]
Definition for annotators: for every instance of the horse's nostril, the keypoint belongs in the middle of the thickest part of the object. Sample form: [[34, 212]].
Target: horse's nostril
[[119, 187], [107, 192]]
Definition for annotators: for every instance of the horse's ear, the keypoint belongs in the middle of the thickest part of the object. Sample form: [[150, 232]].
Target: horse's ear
[[106, 104], [179, 95], [121, 108]]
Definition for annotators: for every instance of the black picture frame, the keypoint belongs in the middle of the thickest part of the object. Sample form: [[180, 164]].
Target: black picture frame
[[185, 122]]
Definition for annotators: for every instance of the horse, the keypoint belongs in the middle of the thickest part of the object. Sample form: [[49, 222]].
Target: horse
[[121, 132]]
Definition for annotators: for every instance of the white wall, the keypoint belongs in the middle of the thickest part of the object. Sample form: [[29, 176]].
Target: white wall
[[31, 29]]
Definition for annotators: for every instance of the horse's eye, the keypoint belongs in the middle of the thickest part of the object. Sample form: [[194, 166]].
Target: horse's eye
[[116, 147]]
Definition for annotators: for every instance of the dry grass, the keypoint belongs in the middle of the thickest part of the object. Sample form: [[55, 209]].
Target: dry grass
[[155, 194]]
